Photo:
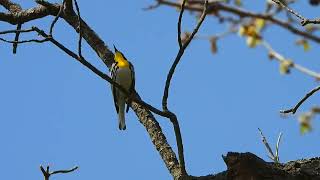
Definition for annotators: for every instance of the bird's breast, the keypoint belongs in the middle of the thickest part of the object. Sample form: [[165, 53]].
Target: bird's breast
[[124, 77]]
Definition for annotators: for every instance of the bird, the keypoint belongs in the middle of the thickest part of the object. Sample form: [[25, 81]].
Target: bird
[[122, 72]]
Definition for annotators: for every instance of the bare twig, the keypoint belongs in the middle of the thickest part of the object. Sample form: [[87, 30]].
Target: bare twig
[[25, 41], [65, 171], [46, 172], [14, 31], [16, 39], [179, 23], [295, 108], [183, 46], [179, 55], [304, 21], [56, 18], [289, 9]]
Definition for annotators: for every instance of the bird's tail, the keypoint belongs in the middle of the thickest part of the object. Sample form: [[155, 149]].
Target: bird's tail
[[121, 114]]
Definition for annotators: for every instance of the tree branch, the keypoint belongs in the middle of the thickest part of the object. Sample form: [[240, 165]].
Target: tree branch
[[182, 47], [180, 53], [304, 21], [215, 7], [281, 59], [296, 107], [46, 173]]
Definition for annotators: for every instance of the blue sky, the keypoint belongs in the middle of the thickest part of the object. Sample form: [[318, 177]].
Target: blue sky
[[54, 111]]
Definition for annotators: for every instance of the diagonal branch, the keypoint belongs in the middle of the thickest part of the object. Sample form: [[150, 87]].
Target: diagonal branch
[[280, 58], [296, 107], [304, 21]]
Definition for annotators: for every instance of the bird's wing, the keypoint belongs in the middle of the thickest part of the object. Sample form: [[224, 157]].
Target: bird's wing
[[133, 82], [114, 70]]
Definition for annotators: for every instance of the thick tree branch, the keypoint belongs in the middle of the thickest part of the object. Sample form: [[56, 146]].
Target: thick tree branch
[[10, 6]]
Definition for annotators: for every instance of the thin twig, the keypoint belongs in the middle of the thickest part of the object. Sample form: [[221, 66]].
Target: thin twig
[[16, 38], [64, 171], [304, 21], [179, 55], [296, 107], [56, 18], [289, 9], [183, 46], [180, 21], [15, 31], [46, 173], [25, 41]]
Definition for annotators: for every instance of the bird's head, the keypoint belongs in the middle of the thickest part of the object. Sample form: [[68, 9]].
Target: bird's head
[[119, 57]]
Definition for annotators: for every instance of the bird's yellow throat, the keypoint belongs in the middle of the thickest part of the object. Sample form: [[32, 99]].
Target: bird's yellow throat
[[122, 62]]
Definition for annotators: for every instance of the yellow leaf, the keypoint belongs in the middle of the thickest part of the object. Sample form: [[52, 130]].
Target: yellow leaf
[[310, 27], [242, 31], [305, 128], [305, 120], [238, 2], [259, 23], [306, 46], [253, 41], [285, 66], [252, 31], [304, 43]]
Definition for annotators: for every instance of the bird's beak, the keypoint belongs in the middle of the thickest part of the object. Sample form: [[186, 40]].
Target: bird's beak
[[115, 49]]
